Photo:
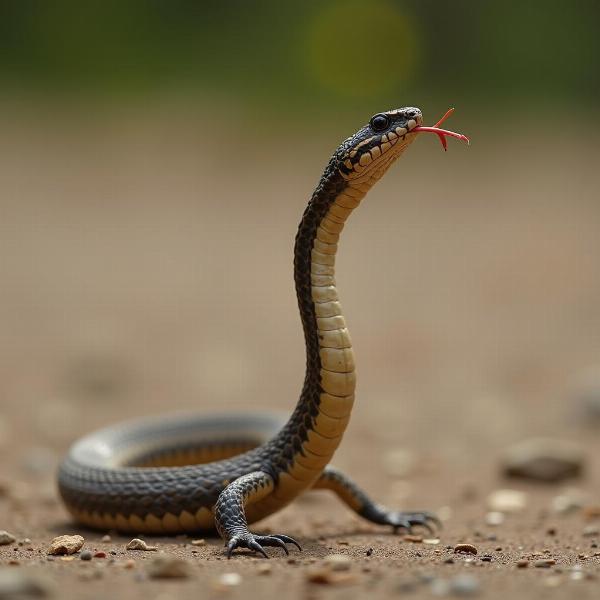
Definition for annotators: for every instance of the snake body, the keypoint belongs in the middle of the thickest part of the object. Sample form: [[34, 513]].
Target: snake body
[[189, 472]]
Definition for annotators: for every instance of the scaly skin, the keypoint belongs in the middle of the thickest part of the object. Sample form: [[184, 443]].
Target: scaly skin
[[126, 477]]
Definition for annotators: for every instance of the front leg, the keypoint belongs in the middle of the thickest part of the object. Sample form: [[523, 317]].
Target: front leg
[[359, 502], [230, 518]]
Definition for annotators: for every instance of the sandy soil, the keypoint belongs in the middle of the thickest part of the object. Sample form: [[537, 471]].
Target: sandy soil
[[140, 277]]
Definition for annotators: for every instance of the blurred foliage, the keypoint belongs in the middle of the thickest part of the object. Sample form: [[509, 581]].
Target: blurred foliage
[[308, 54]]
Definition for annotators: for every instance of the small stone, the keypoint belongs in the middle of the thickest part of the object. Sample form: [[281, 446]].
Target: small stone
[[369, 552], [464, 585], [591, 531], [487, 558], [106, 538], [465, 549], [449, 561], [507, 500], [415, 539], [522, 563], [431, 541], [66, 544], [198, 542], [264, 569], [24, 542], [544, 563], [86, 555], [338, 562], [227, 581], [325, 576], [569, 501], [494, 518], [100, 554], [541, 459], [18, 584], [166, 566], [137, 544], [6, 538]]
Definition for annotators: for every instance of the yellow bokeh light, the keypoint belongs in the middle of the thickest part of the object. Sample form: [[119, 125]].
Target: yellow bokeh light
[[358, 49]]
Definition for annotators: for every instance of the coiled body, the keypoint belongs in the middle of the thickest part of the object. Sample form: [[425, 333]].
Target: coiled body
[[191, 472]]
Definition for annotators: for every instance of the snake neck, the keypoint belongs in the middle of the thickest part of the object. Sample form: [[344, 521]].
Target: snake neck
[[308, 441]]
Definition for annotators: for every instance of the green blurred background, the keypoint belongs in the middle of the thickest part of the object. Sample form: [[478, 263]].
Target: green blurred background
[[308, 56]]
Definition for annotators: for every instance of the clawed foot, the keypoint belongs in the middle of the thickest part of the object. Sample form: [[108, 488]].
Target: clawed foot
[[407, 520], [256, 543]]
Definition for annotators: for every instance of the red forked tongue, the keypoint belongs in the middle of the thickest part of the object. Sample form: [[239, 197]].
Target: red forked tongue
[[442, 133]]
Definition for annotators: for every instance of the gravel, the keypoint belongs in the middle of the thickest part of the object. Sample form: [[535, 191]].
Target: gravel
[[66, 544], [167, 566], [137, 544], [6, 538], [541, 459]]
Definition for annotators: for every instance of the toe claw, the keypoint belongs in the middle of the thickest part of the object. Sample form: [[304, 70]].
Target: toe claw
[[254, 545], [287, 539]]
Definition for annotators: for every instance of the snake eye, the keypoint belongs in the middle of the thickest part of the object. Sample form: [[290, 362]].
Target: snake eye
[[380, 122]]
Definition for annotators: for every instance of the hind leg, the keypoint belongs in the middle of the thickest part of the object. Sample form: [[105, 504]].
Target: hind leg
[[334, 480]]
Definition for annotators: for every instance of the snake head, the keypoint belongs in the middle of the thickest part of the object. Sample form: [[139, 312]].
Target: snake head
[[372, 149]]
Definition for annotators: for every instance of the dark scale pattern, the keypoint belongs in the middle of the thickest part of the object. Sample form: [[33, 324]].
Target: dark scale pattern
[[227, 486], [230, 518], [162, 490]]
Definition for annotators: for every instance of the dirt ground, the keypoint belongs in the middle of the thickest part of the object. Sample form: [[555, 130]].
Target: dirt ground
[[140, 275]]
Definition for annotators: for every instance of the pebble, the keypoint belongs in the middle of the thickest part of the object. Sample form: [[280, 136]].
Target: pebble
[[325, 576], [166, 566], [137, 544], [431, 541], [198, 542], [15, 583], [465, 549], [541, 459], [591, 531], [506, 500], [66, 544], [100, 554], [369, 552], [106, 538], [24, 542], [569, 501], [544, 563], [264, 569], [338, 562], [6, 538], [86, 555], [227, 580], [415, 539], [494, 518]]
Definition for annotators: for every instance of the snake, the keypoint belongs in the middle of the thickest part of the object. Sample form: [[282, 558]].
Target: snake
[[189, 472]]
